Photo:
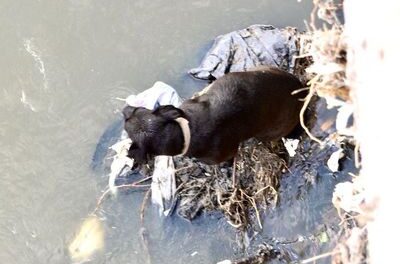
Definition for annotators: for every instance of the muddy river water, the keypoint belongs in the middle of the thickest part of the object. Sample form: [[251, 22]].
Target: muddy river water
[[63, 64]]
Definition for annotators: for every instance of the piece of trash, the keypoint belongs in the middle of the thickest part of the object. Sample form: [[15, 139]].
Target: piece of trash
[[333, 161], [122, 147], [167, 212], [89, 239], [323, 237], [194, 253], [225, 262], [344, 115], [332, 102], [325, 68], [163, 186], [120, 162], [247, 48], [291, 145], [159, 94], [163, 179], [348, 196]]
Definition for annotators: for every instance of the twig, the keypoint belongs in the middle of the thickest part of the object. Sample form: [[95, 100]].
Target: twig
[[274, 192], [304, 108], [132, 185], [345, 217], [328, 254], [300, 90], [145, 244], [251, 199], [135, 183], [183, 168], [286, 167], [262, 189], [232, 224], [143, 206]]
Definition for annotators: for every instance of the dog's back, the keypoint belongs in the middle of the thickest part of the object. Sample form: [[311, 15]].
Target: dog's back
[[242, 105]]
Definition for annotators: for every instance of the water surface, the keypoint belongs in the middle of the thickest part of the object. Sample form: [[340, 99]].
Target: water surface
[[63, 64]]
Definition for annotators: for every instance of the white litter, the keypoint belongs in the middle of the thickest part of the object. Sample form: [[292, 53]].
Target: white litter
[[159, 94], [349, 196], [163, 185], [225, 262], [344, 114], [333, 161], [291, 145], [120, 161]]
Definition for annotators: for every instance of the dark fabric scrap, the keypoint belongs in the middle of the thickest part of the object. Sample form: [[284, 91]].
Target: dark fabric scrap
[[244, 49]]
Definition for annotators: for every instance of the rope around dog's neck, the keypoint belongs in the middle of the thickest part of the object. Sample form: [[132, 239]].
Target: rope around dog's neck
[[184, 124]]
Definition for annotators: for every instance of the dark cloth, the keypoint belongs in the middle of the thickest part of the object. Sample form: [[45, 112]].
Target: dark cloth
[[244, 49]]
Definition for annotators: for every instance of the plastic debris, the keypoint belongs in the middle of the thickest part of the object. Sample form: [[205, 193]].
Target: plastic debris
[[349, 196], [163, 184], [89, 239], [225, 262], [291, 145], [344, 126], [333, 161], [248, 48], [120, 162], [159, 94]]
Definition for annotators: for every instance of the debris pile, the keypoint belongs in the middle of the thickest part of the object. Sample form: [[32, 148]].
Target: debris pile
[[211, 187]]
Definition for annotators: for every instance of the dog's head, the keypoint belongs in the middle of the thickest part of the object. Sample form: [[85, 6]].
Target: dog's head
[[150, 131]]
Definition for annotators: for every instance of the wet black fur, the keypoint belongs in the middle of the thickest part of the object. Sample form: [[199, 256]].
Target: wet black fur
[[237, 107]]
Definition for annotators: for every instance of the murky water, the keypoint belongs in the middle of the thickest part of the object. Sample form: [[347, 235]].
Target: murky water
[[63, 64]]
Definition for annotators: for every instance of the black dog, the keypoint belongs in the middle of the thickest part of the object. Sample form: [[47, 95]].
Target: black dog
[[234, 108]]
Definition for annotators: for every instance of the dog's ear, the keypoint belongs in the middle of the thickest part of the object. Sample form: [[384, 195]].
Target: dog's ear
[[169, 112], [128, 111]]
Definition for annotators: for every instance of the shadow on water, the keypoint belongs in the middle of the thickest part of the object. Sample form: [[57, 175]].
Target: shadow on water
[[109, 137]]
